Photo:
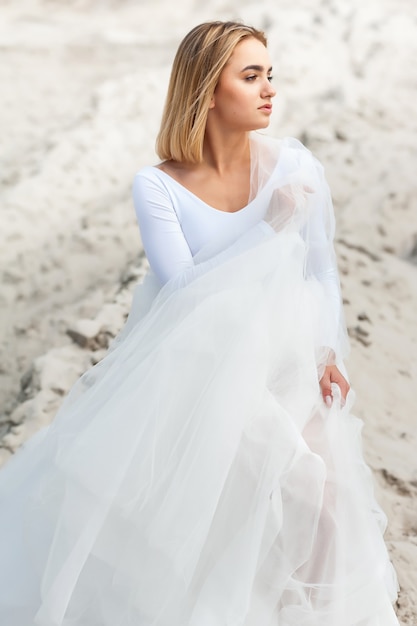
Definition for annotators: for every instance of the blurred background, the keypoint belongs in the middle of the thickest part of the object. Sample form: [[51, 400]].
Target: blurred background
[[82, 85]]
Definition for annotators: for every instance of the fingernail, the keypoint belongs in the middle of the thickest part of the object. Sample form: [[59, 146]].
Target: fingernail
[[328, 400]]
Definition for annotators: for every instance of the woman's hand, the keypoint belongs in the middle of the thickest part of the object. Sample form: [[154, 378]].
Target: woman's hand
[[333, 375]]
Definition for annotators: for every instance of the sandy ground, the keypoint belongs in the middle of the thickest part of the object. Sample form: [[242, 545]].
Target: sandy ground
[[83, 85]]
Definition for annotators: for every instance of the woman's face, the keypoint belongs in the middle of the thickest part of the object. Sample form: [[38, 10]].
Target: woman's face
[[242, 99]]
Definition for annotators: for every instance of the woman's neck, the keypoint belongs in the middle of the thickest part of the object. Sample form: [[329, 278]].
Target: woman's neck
[[224, 151]]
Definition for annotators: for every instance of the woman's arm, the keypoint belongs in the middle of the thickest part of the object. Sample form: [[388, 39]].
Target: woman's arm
[[163, 240], [322, 264]]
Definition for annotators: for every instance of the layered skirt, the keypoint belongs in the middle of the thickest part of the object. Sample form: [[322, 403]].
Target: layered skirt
[[195, 476]]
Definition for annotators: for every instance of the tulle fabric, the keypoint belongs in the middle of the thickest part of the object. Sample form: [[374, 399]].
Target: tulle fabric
[[195, 476]]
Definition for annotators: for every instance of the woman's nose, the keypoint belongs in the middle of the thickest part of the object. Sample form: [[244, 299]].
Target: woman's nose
[[269, 90]]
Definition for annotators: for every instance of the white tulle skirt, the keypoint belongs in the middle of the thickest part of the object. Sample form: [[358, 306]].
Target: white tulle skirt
[[195, 476]]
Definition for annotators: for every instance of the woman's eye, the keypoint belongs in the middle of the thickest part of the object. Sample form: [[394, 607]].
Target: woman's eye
[[253, 77]]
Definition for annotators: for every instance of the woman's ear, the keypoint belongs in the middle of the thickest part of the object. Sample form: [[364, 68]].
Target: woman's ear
[[212, 103]]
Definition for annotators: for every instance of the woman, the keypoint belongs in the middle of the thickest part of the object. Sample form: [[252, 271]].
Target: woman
[[207, 471]]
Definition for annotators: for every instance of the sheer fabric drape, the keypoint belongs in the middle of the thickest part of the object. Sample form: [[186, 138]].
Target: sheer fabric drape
[[194, 476]]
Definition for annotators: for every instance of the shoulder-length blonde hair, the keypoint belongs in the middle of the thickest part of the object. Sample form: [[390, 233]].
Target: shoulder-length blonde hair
[[199, 61]]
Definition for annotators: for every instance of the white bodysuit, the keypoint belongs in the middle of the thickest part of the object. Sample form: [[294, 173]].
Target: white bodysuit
[[175, 225]]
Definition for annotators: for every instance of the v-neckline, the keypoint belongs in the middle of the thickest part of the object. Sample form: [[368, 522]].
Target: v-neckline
[[200, 200]]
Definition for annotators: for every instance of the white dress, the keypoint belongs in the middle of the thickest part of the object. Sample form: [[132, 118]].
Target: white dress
[[195, 477]]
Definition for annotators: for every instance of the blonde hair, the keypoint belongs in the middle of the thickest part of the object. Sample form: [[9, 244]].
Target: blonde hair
[[199, 61]]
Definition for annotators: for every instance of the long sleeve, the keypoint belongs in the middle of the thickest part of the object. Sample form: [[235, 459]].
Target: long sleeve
[[322, 264], [163, 240], [302, 198]]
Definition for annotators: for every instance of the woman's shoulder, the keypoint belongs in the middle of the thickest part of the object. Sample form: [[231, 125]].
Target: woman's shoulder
[[287, 154], [279, 144], [150, 188], [148, 172], [281, 149], [295, 150], [157, 176], [150, 179]]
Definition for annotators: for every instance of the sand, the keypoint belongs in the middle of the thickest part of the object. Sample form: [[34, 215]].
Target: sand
[[83, 84]]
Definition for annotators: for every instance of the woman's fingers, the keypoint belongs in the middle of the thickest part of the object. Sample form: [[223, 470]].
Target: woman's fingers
[[344, 386], [326, 389], [333, 375]]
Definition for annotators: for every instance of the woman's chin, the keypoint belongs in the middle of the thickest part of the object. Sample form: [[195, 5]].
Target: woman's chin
[[261, 126]]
